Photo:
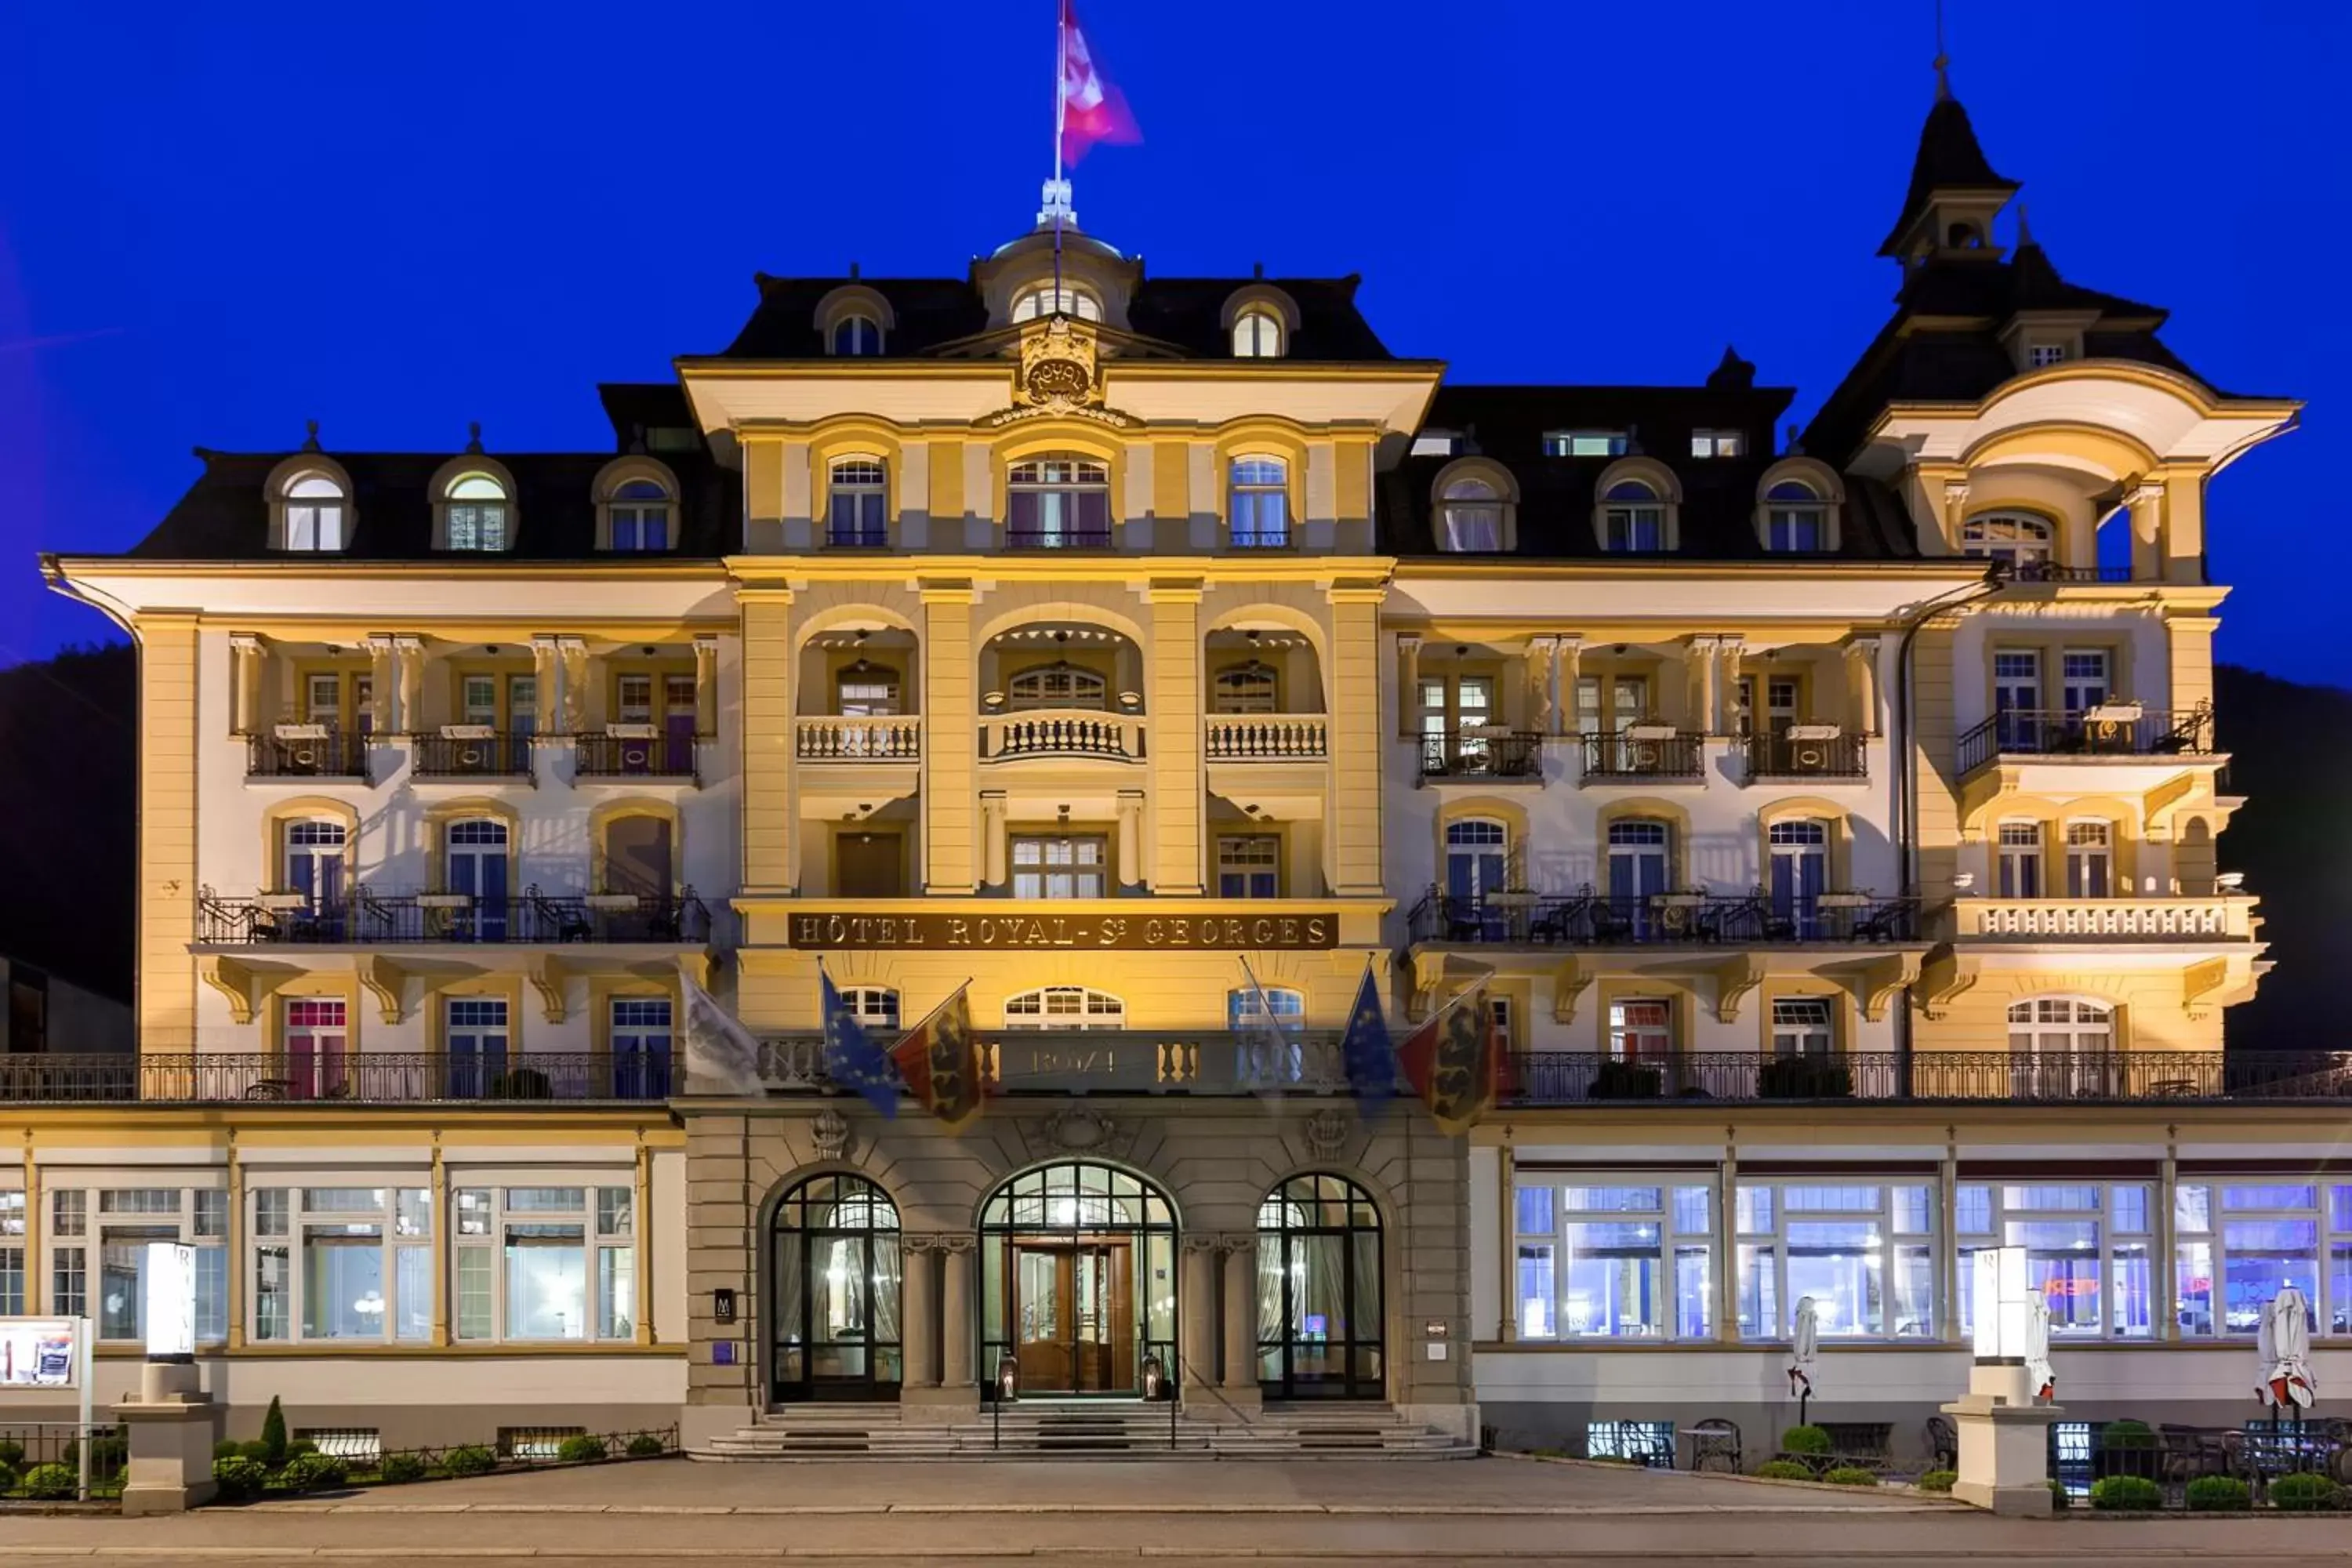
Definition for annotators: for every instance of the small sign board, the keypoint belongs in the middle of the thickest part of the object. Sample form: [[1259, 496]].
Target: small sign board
[[1435, 1329], [722, 1304], [39, 1352]]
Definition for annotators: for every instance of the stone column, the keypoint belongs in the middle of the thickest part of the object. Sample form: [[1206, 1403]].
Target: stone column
[[1543, 705], [1196, 1310], [383, 687], [1172, 681], [172, 1428], [1704, 651], [244, 656], [573, 653], [1240, 1316], [918, 1329], [1567, 674], [408, 653], [1726, 1287], [951, 734], [2146, 502], [546, 680], [706, 685], [1131, 837], [1408, 685], [1862, 681], [1729, 651], [956, 1332], [993, 817]]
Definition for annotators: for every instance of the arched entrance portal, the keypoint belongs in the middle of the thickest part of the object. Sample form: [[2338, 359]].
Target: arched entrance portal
[[834, 1250], [1319, 1314], [1078, 1277]]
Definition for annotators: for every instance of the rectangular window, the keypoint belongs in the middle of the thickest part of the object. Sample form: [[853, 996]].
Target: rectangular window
[[1249, 866], [1060, 868], [1864, 1253], [1536, 1209], [2083, 678], [616, 1292], [2043, 354], [1801, 1026], [2020, 852], [1618, 1268], [1584, 443], [2089, 860], [1641, 1031], [547, 1280], [1538, 1294], [1718, 443]]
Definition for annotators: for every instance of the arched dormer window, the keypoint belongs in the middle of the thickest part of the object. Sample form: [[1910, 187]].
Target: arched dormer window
[[2021, 541], [856, 335], [1797, 507], [1258, 335], [637, 506], [858, 502], [473, 507], [853, 321], [313, 508], [1477, 509], [1636, 509], [1259, 321], [1047, 300]]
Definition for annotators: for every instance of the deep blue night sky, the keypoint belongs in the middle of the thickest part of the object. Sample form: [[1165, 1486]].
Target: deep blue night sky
[[216, 222]]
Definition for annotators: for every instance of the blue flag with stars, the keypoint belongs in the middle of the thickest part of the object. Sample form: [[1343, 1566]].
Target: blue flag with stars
[[1365, 1052], [851, 1059]]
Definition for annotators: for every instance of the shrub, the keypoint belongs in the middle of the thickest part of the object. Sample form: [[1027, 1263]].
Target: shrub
[[646, 1445], [519, 1083], [2302, 1493], [8, 1478], [1784, 1470], [1626, 1080], [1939, 1480], [1806, 1440], [2060, 1501], [469, 1462], [52, 1483], [2219, 1494], [256, 1451], [1850, 1476], [2126, 1494], [238, 1478], [314, 1473], [12, 1453], [273, 1435], [2126, 1435], [106, 1454], [228, 1448], [299, 1447], [580, 1450], [398, 1468], [1803, 1078]]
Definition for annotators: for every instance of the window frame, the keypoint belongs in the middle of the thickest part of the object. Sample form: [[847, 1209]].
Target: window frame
[[492, 534], [1893, 1242], [1045, 872], [1545, 1208], [79, 1244], [1096, 1008], [1258, 484]]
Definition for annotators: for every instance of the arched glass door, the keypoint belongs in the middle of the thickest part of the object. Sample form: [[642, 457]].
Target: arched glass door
[[834, 1259], [1320, 1320], [1078, 1264]]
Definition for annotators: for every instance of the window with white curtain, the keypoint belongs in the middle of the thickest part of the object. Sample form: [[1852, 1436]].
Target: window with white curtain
[[342, 1263], [314, 504], [1470, 515], [1259, 515], [1258, 335], [543, 1263]]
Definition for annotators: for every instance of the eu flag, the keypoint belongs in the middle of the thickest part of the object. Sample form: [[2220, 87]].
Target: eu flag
[[1364, 1051], [851, 1059]]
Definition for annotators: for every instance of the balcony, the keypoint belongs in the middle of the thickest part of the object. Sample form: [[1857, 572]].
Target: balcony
[[1016, 1062], [371, 918], [1266, 737], [1061, 732], [367, 1078], [2050, 572], [2203, 920], [307, 752], [653, 755], [1663, 920], [1580, 1077], [472, 753], [898, 738], [1798, 754], [1057, 538], [1644, 754], [1485, 752], [2113, 730]]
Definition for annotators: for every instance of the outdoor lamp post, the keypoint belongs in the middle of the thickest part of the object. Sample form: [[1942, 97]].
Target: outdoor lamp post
[[2003, 1420]]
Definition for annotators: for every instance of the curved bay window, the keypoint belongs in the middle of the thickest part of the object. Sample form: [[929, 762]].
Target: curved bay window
[[1319, 1314], [834, 1245], [1078, 1277]]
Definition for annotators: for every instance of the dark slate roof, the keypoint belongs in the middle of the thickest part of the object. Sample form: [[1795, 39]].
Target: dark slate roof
[[225, 516], [637, 407], [1948, 160], [1507, 424], [933, 314]]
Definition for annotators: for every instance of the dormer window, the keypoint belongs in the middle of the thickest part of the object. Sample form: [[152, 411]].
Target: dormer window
[[1635, 518], [1474, 512], [1794, 518], [477, 513], [856, 335], [1964, 237], [1435, 444], [1717, 444], [640, 516], [1258, 335], [313, 513], [2041, 356], [1584, 443], [1053, 301]]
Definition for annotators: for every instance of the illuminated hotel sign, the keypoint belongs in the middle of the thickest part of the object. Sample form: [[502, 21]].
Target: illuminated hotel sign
[[1014, 932]]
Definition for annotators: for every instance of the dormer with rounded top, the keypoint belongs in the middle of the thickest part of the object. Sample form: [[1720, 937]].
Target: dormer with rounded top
[[1020, 282], [474, 505], [637, 505], [1798, 504], [1637, 507], [854, 322], [310, 511], [1259, 321]]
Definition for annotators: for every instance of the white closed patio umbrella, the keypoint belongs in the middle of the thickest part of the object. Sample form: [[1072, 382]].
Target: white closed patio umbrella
[[1805, 1347], [2283, 1344], [2038, 1370]]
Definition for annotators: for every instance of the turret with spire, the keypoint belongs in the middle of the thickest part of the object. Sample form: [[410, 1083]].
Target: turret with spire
[[1954, 194]]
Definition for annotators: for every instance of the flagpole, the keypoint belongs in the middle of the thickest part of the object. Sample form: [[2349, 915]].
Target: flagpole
[[906, 1035], [1061, 108]]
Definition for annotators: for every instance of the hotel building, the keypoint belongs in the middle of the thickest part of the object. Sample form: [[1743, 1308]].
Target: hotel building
[[1829, 819]]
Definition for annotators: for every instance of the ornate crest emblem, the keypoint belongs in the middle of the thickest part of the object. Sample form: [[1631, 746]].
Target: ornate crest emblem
[[1058, 374]]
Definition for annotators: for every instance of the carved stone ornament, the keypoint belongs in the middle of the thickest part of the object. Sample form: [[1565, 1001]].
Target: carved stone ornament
[[1059, 375], [830, 1133], [1079, 1131], [1327, 1132]]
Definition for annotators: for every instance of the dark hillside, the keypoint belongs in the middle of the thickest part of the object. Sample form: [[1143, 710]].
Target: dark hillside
[[69, 748]]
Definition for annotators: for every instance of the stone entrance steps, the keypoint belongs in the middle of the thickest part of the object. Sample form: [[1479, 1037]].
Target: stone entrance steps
[[1078, 1430]]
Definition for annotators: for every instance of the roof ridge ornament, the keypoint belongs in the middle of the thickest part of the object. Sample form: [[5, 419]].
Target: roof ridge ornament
[[474, 437], [310, 441]]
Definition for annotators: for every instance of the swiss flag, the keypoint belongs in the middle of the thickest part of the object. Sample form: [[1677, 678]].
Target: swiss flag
[[1092, 108]]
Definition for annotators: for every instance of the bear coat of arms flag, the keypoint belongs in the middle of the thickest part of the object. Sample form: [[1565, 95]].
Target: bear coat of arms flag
[[1457, 1063], [940, 1061]]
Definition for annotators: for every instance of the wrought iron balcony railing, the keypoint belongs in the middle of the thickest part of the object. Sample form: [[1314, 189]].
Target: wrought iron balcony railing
[[1787, 757], [634, 756], [852, 536], [334, 754], [1682, 755], [2110, 730], [1485, 752], [1588, 919], [2050, 572], [369, 919], [365, 1077], [1546, 1077], [1057, 538], [476, 757]]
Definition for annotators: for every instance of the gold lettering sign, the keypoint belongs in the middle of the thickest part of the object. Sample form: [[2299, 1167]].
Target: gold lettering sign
[[1017, 930]]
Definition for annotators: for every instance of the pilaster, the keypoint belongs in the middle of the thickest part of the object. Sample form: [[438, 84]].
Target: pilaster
[[771, 821], [1407, 658], [1568, 678], [1861, 684], [1178, 804], [950, 737], [245, 655], [1353, 848], [383, 686]]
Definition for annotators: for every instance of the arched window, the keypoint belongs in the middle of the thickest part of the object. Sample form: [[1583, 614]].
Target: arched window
[[475, 513], [1259, 503], [834, 1257], [2020, 541], [1079, 1261], [474, 863], [1057, 686], [1639, 862], [1064, 1007], [314, 512], [1478, 859], [1249, 688], [1470, 514], [1796, 518], [1633, 518], [857, 496], [875, 1006], [640, 515], [1263, 1007], [1258, 335], [2050, 1028], [1058, 503], [856, 334], [1049, 301], [1320, 1318], [1801, 873]]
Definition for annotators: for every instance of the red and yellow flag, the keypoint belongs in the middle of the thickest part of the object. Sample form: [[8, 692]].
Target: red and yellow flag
[[941, 1062], [1457, 1063]]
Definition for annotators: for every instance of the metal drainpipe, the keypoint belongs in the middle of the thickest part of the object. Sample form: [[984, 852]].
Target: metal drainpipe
[[1905, 778]]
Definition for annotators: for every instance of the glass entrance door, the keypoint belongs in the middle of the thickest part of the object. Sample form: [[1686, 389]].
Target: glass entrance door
[[1074, 1316], [1077, 1281]]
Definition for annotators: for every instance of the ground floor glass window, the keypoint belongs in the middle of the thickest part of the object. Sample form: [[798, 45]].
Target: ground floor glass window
[[836, 1258], [1320, 1305], [1077, 1281]]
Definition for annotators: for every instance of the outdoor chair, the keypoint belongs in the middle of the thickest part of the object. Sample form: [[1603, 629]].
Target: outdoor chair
[[1943, 1443], [1715, 1444]]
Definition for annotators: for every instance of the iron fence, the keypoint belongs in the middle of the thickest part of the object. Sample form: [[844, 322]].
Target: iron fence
[[334, 754], [1628, 756], [1787, 757], [2058, 732], [373, 1078], [1566, 1077], [1468, 753], [368, 917], [27, 1446], [1588, 919], [663, 755], [480, 756]]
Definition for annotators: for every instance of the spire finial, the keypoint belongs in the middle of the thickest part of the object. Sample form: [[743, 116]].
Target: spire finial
[[474, 437], [1943, 59], [310, 442], [2024, 229]]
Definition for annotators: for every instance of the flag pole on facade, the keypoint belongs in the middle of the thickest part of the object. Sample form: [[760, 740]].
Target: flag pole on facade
[[1366, 1056], [1261, 1038], [1456, 1062], [1057, 195], [851, 1058]]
